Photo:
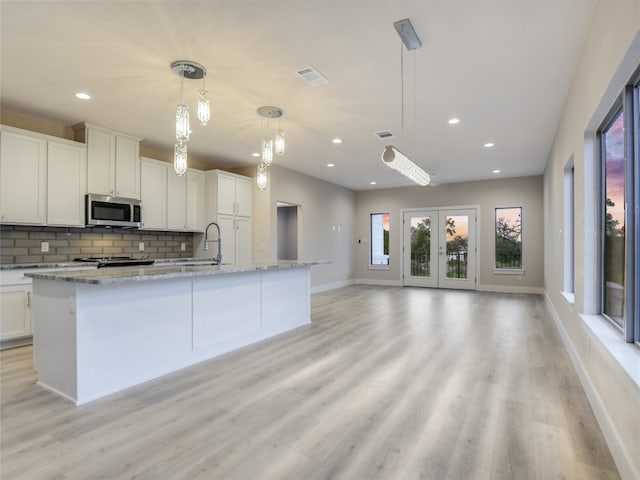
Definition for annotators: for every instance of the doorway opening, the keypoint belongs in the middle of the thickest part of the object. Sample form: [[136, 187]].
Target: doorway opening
[[287, 231]]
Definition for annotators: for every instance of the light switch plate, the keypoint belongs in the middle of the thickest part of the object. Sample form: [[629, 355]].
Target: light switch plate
[[44, 247], [141, 246]]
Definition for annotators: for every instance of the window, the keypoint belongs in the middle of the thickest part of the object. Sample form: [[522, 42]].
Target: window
[[568, 235], [619, 147], [509, 238], [379, 239]]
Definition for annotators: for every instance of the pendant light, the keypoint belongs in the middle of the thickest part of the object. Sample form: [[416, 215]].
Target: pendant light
[[391, 156], [192, 71], [269, 145]]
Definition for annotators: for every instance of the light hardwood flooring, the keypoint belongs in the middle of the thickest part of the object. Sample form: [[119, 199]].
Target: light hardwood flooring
[[386, 383]]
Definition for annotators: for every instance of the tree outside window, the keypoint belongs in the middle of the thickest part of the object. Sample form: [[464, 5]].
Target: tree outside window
[[509, 238]]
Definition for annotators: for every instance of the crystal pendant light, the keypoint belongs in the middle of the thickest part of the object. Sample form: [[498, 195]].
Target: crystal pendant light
[[279, 144], [204, 108], [261, 177], [267, 152], [180, 159], [182, 124]]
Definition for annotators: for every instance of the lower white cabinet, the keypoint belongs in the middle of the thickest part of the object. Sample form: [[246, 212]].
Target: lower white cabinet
[[15, 311]]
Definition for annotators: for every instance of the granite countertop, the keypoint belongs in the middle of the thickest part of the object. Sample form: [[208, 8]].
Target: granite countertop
[[25, 266], [162, 271]]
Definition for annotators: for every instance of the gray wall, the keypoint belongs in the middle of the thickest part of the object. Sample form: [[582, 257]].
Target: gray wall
[[325, 224], [523, 191], [610, 54]]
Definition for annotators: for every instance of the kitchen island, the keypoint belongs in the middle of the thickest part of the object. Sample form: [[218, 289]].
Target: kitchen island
[[103, 330]]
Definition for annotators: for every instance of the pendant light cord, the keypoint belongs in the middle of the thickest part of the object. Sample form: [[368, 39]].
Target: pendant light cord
[[402, 89]]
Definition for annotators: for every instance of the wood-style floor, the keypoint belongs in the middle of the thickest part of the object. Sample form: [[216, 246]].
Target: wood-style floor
[[386, 383]]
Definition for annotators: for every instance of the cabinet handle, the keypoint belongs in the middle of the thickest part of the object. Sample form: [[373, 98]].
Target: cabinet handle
[[28, 299]]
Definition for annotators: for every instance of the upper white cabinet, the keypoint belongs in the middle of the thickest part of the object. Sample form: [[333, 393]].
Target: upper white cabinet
[[195, 201], [23, 177], [233, 193], [153, 192], [177, 201], [66, 184], [113, 161], [229, 203], [169, 201], [43, 179]]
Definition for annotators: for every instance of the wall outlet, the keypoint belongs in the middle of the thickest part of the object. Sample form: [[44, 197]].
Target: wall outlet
[[141, 246], [183, 247], [44, 247]]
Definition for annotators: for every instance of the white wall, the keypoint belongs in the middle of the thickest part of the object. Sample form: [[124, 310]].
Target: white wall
[[505, 192], [610, 55]]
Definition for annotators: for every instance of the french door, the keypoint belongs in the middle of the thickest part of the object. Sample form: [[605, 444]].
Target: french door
[[439, 248]]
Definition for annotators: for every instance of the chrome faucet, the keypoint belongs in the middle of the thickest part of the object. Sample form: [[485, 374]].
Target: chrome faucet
[[218, 241]]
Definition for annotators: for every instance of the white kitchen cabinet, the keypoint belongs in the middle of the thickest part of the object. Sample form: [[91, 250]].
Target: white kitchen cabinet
[[66, 183], [23, 177], [195, 201], [113, 161], [176, 200], [15, 311], [153, 193], [229, 203]]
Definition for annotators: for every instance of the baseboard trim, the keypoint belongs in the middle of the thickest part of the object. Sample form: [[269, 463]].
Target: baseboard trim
[[331, 286], [380, 283], [618, 451], [510, 289]]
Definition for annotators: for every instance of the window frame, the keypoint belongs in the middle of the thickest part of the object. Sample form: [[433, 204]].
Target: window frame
[[628, 105], [379, 266], [502, 270]]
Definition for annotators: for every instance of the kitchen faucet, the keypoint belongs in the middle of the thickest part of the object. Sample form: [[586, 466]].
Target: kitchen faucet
[[218, 241]]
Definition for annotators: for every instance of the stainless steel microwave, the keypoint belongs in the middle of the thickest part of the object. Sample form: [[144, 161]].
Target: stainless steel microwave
[[109, 211]]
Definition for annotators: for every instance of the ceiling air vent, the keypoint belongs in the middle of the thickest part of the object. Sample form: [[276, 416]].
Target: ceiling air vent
[[312, 76], [384, 134]]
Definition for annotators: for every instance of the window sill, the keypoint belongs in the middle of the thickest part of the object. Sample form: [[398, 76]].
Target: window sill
[[508, 271], [626, 354], [379, 267], [569, 297]]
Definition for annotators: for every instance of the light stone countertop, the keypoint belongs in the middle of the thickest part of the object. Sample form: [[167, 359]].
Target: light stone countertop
[[112, 275], [163, 261]]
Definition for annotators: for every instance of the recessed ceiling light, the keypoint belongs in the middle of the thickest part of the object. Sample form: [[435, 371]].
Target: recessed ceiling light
[[330, 165], [454, 121], [489, 144], [496, 171], [255, 154], [337, 140], [372, 183], [83, 96]]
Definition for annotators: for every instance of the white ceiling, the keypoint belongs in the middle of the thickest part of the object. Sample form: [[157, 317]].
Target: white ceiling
[[502, 67]]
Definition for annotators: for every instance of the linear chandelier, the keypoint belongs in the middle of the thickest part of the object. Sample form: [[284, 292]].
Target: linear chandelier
[[269, 146], [192, 71], [391, 156]]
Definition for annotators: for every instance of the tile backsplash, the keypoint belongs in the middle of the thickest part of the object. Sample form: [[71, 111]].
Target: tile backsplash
[[22, 244]]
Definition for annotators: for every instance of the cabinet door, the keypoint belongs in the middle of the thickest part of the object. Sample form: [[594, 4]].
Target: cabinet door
[[23, 163], [153, 190], [66, 184], [244, 244], [226, 194], [176, 201], [244, 191], [228, 234], [195, 201], [101, 155], [127, 168], [15, 311]]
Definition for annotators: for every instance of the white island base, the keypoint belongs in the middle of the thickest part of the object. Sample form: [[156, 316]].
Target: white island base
[[91, 340]]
